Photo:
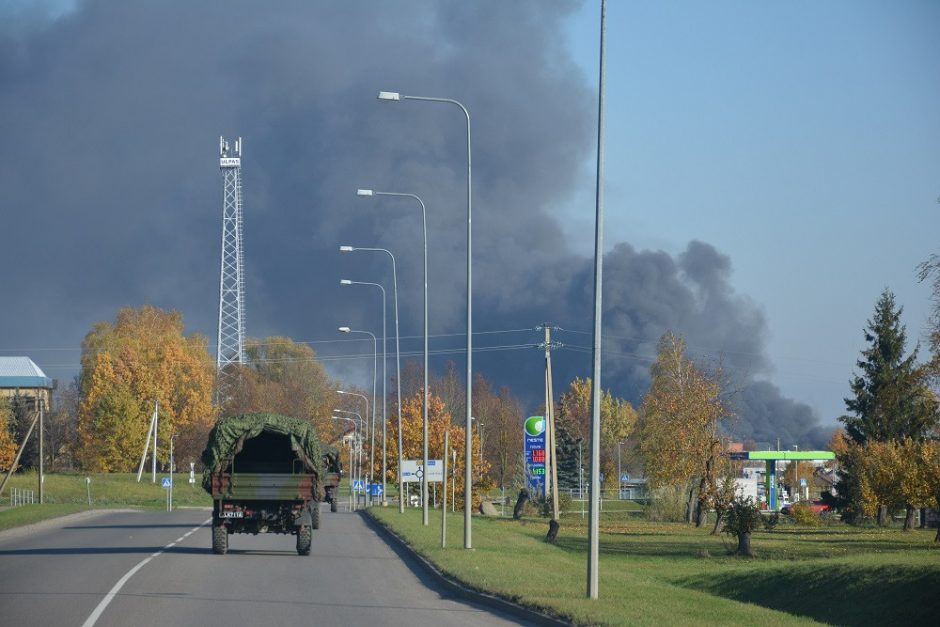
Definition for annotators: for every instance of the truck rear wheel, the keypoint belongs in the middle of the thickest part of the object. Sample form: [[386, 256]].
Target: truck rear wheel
[[304, 538], [314, 515], [219, 539]]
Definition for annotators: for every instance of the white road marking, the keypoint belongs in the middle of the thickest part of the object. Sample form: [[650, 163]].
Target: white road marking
[[96, 614]]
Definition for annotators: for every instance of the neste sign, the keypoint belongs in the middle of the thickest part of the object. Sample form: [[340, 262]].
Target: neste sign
[[534, 443]]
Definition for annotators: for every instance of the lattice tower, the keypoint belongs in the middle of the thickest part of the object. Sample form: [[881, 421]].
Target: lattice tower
[[231, 347]]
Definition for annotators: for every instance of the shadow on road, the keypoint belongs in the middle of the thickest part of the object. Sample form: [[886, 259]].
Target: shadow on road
[[110, 550], [141, 526]]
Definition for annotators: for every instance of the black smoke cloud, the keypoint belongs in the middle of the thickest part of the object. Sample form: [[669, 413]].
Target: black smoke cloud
[[111, 192]]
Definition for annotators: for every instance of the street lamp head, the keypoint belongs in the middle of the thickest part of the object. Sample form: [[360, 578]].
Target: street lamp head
[[343, 330], [389, 95], [346, 249], [364, 192], [341, 391], [345, 282]]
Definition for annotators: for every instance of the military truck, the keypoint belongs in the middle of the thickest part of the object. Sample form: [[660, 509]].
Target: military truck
[[267, 474]]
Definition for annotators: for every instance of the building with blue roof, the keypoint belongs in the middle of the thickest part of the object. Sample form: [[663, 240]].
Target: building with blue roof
[[21, 377]]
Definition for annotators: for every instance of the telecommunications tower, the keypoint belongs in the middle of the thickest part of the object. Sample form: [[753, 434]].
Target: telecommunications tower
[[231, 348]]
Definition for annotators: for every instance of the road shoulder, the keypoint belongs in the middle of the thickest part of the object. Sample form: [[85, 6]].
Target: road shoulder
[[456, 587]]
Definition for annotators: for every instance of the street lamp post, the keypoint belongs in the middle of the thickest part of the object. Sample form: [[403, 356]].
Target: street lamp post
[[424, 483], [362, 396], [401, 483], [388, 96], [352, 471], [384, 377], [170, 488], [593, 571]]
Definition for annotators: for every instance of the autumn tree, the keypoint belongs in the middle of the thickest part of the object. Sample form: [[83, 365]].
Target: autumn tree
[[679, 439], [894, 474], [501, 418], [726, 490], [439, 422], [928, 463], [141, 358], [796, 471], [7, 444], [451, 389], [573, 418], [283, 377]]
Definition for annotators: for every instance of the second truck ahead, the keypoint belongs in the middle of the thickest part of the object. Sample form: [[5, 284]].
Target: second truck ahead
[[267, 474]]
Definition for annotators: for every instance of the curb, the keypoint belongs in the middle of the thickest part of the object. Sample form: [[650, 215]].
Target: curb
[[455, 587]]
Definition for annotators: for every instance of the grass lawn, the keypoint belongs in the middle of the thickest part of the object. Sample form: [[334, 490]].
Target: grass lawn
[[68, 493], [670, 573]]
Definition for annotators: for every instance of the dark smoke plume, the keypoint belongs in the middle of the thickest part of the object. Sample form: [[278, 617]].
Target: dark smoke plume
[[112, 195]]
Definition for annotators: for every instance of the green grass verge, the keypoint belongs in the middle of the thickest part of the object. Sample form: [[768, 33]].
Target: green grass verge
[[30, 514], [69, 493], [113, 490], [667, 573]]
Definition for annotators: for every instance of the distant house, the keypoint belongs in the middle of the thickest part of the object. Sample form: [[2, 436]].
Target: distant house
[[20, 377]]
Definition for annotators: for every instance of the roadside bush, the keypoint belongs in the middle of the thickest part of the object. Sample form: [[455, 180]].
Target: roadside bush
[[668, 504], [771, 521], [741, 520], [804, 516], [565, 503]]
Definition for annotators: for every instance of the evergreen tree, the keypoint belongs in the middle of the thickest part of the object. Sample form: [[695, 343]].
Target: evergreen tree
[[891, 397], [891, 401], [567, 450]]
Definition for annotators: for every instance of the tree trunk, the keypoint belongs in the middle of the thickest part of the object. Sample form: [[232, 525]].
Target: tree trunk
[[690, 507], [909, 519], [718, 515], [744, 543], [701, 509], [882, 515], [553, 527], [520, 504], [937, 537], [701, 514]]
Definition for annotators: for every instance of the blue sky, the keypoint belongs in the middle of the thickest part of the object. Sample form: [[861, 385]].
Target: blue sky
[[801, 138]]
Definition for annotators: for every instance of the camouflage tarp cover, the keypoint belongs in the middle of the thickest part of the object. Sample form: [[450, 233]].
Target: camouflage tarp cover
[[229, 435]]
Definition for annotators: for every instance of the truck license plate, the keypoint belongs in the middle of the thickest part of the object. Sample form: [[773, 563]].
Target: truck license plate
[[232, 514]]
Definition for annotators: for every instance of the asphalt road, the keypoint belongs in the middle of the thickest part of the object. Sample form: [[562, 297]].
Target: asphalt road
[[155, 568]]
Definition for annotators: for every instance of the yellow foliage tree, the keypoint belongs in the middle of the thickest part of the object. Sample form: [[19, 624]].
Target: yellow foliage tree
[[7, 444], [898, 474], [679, 439], [284, 377], [439, 422], [127, 366], [618, 420]]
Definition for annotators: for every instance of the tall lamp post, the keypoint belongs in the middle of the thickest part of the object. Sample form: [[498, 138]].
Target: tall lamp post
[[593, 576], [389, 96], [384, 376], [352, 475], [375, 358], [355, 472], [424, 481], [401, 483]]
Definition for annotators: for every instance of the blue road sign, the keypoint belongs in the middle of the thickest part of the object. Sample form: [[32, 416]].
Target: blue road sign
[[376, 489], [625, 477], [358, 485], [166, 482]]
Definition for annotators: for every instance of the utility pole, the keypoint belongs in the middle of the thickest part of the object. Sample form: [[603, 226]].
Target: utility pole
[[156, 430], [41, 475], [550, 445]]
